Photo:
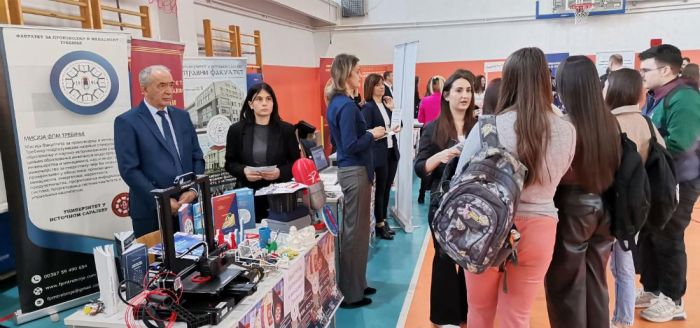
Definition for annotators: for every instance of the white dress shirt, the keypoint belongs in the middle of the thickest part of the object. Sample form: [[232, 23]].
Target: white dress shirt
[[156, 117]]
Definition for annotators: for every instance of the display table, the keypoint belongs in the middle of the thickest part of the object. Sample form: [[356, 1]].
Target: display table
[[304, 294]]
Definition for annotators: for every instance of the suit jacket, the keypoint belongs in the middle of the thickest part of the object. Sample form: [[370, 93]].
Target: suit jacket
[[373, 118], [427, 149], [144, 161], [387, 90], [282, 150]]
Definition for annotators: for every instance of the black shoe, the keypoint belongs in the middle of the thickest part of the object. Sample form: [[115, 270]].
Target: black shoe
[[383, 233], [364, 301], [390, 230], [370, 291], [421, 198]]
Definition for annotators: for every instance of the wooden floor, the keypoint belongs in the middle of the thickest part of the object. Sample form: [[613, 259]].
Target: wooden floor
[[418, 316]]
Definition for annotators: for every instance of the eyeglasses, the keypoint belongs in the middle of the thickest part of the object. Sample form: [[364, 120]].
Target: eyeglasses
[[647, 70]]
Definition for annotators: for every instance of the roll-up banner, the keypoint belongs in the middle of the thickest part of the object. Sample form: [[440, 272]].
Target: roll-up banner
[[214, 89], [60, 90], [145, 53], [405, 57]]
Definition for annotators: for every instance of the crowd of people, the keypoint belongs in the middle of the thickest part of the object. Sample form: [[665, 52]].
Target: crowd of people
[[563, 215], [567, 137]]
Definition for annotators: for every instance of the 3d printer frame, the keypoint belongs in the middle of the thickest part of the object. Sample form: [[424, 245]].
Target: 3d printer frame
[[162, 197]]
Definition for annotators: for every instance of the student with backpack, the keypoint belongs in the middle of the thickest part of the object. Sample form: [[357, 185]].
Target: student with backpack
[[675, 110], [528, 129], [575, 286], [448, 299], [622, 91]]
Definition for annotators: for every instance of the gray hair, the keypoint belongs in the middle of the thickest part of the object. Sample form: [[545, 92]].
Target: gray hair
[[145, 74]]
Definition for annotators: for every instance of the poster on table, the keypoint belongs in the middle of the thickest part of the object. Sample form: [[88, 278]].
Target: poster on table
[[294, 293], [405, 56], [307, 295], [214, 90], [324, 266], [60, 91], [145, 53], [602, 60], [253, 319]]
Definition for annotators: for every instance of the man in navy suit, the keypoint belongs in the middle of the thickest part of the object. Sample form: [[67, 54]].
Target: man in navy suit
[[155, 143]]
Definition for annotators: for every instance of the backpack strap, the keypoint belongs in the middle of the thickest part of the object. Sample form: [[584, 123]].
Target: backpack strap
[[651, 128], [488, 131]]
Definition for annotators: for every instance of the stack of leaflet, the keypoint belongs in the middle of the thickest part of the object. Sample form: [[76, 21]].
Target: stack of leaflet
[[330, 184], [107, 277], [183, 243]]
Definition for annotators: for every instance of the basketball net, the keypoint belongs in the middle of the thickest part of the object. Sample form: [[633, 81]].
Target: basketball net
[[581, 10], [165, 6]]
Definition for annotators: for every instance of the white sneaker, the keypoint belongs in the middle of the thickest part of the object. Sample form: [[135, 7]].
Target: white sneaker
[[644, 299], [664, 309]]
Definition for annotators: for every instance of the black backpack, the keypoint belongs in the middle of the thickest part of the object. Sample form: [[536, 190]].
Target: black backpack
[[661, 172], [474, 223], [628, 199]]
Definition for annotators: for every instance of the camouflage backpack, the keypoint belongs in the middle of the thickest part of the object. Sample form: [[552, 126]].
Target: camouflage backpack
[[474, 223]]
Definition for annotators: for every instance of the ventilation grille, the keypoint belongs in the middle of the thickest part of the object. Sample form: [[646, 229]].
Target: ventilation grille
[[353, 8]]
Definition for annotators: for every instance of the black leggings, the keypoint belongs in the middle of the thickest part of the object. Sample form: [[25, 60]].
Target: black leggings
[[448, 287]]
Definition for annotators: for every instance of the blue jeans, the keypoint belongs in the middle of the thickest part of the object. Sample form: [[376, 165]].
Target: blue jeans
[[622, 267]]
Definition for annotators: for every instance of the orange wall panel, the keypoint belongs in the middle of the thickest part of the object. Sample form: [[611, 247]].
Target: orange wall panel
[[297, 92]]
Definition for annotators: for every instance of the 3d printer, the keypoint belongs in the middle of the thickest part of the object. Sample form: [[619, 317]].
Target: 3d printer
[[201, 291]]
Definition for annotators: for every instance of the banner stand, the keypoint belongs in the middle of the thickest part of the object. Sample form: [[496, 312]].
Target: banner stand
[[21, 318], [60, 91], [405, 57]]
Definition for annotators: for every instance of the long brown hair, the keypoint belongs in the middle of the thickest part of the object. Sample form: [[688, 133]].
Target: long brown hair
[[445, 129], [597, 133], [370, 82], [526, 87]]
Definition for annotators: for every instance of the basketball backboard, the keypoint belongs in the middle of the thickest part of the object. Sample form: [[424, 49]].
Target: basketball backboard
[[552, 9]]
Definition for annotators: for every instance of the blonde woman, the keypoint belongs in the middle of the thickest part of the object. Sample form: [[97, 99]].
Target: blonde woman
[[352, 140]]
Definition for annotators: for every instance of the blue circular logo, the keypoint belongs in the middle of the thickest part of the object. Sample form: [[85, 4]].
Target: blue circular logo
[[84, 82]]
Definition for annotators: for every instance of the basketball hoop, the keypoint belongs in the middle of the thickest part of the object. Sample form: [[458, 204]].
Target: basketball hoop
[[581, 10], [165, 6]]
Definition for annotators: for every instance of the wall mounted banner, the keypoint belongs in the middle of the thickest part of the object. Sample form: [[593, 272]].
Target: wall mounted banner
[[553, 61], [602, 60], [214, 89], [60, 90], [145, 53]]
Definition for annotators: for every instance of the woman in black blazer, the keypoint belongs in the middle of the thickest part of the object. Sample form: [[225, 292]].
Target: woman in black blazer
[[448, 290], [261, 138], [377, 112]]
